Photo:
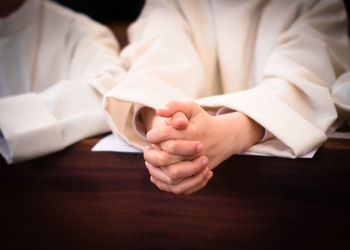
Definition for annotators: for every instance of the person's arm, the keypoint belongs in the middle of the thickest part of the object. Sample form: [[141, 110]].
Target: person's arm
[[169, 151], [163, 64], [221, 136], [341, 95], [292, 100], [36, 124]]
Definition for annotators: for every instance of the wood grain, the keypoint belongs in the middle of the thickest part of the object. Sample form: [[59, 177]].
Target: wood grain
[[77, 199]]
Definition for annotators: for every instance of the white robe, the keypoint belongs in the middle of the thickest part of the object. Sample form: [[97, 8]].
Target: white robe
[[276, 61], [55, 66]]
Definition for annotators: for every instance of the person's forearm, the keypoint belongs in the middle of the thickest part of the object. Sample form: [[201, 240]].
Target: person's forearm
[[241, 131]]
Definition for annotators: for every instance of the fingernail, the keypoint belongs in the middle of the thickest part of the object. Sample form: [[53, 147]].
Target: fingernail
[[206, 171], [204, 161], [210, 175], [199, 148], [181, 119], [150, 132], [181, 122]]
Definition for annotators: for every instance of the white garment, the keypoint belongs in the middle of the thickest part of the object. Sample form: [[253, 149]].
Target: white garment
[[55, 66], [341, 95], [273, 60]]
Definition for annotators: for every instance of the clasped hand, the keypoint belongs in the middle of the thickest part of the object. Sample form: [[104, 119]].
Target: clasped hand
[[186, 143], [174, 160]]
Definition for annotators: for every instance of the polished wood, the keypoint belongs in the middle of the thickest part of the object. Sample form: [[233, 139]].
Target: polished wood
[[78, 199]]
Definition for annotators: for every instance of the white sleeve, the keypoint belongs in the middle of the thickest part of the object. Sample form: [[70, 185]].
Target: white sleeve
[[160, 47], [36, 124], [95, 56], [341, 96], [293, 101]]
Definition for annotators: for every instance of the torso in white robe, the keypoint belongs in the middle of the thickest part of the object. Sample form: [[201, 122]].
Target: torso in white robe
[[276, 61], [55, 67]]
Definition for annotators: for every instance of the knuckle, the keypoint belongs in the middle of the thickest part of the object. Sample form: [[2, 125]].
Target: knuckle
[[173, 173], [176, 190], [203, 184], [200, 178], [160, 187], [173, 182], [169, 145], [198, 166], [145, 155], [170, 182], [203, 175], [162, 159], [172, 145]]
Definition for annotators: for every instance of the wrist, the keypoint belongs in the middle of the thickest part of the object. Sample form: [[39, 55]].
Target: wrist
[[250, 131], [240, 131]]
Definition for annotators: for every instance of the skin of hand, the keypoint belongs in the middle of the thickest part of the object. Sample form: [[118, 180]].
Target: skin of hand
[[221, 136], [173, 150], [176, 159], [181, 150]]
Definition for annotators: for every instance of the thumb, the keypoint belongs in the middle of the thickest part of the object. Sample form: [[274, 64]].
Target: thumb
[[189, 109], [179, 121]]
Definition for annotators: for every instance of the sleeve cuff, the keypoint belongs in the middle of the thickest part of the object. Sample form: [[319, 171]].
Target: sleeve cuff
[[28, 127], [137, 122], [296, 134]]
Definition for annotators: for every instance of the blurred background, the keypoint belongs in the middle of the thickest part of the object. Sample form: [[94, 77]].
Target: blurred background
[[114, 12], [106, 11], [117, 15]]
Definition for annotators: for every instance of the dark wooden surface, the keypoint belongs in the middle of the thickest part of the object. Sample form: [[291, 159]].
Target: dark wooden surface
[[77, 199]]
